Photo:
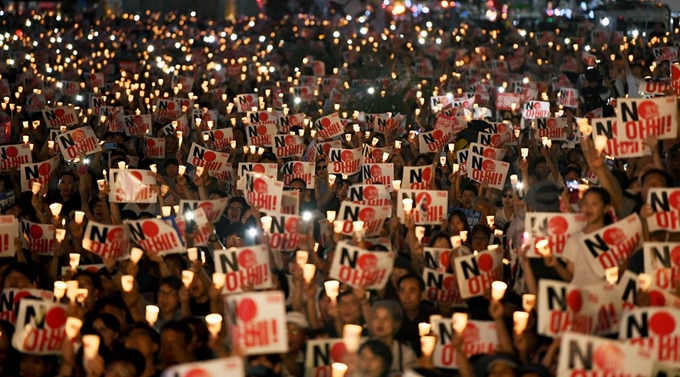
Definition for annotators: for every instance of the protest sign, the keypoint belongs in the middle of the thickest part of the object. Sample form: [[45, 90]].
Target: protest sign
[[495, 140], [137, 124], [13, 156], [268, 169], [214, 209], [244, 266], [41, 172], [262, 117], [155, 235], [429, 206], [9, 231], [154, 147], [231, 366], [461, 159], [441, 287], [39, 327], [666, 205], [375, 155], [568, 97], [370, 194], [206, 158], [373, 217], [592, 309], [261, 134], [10, 297], [377, 173], [107, 241], [417, 177], [535, 109], [639, 118], [507, 101], [329, 126], [321, 353], [60, 116], [167, 110], [299, 169], [246, 102], [220, 139], [284, 234], [655, 329], [344, 161], [288, 146], [38, 237], [555, 227], [586, 355], [616, 147], [476, 272], [358, 267], [263, 192], [437, 258], [434, 141], [665, 53], [79, 141], [552, 128], [662, 261], [258, 322], [613, 243], [479, 337], [132, 186], [487, 152], [482, 169]]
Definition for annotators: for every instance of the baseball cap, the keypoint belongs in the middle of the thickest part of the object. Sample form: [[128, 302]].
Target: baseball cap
[[298, 319]]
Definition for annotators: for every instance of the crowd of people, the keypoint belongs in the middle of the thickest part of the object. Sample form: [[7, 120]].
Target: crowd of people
[[344, 195]]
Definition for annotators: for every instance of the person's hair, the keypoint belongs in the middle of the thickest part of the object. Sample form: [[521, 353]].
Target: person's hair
[[462, 217], [417, 278], [115, 301], [380, 350], [23, 269], [150, 332], [171, 161], [171, 281], [241, 200], [283, 281], [662, 173], [129, 356], [177, 258], [468, 187], [437, 236], [481, 228], [378, 247], [109, 320], [180, 327], [539, 160], [344, 293], [392, 307], [481, 199], [606, 200], [298, 180], [219, 193], [570, 169], [424, 157], [199, 328], [96, 279], [68, 173]]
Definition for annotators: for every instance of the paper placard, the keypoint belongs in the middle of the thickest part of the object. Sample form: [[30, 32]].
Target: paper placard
[[373, 216], [344, 161], [662, 263], [479, 337], [298, 169], [666, 205], [417, 177], [220, 139], [231, 366], [246, 102], [434, 141], [132, 186], [535, 109], [261, 134], [358, 267], [377, 173], [206, 158], [154, 147], [37, 237], [214, 209], [9, 231], [369, 194], [263, 192], [482, 169], [9, 301], [288, 146], [552, 128], [258, 322], [441, 287], [284, 234], [613, 243], [487, 152], [267, 169], [616, 147], [39, 327], [642, 117], [64, 116], [555, 227], [429, 206], [329, 126], [13, 156], [137, 124], [244, 266], [79, 141], [107, 241], [475, 273], [155, 235]]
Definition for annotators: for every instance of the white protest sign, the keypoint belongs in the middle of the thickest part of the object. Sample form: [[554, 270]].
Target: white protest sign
[[9, 231], [417, 177], [40, 172], [441, 287], [214, 209], [329, 126], [552, 128], [155, 235], [261, 134], [377, 173], [482, 169], [487, 152], [231, 366], [666, 205], [38, 237], [535, 109], [220, 139], [40, 327], [655, 329], [64, 116], [298, 169], [263, 192], [479, 337], [555, 227], [373, 217], [639, 118], [616, 146], [344, 161], [662, 261], [9, 301], [288, 146], [258, 322], [244, 266], [132, 186], [615, 242], [107, 241], [434, 141], [138, 124], [13, 156], [284, 234], [79, 141], [475, 273], [429, 206], [357, 267], [246, 102], [206, 158], [154, 147], [369, 194]]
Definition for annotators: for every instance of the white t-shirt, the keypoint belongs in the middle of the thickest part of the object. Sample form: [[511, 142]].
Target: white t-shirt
[[576, 252], [403, 358]]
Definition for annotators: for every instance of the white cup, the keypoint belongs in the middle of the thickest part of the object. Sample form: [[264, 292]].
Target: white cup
[[72, 290], [152, 314], [127, 282], [396, 185], [330, 216], [90, 346], [528, 302], [136, 254], [214, 322], [332, 288], [427, 344], [219, 279], [192, 253], [520, 320], [36, 187], [498, 290], [459, 321], [424, 328], [266, 223], [59, 289], [308, 271], [73, 326], [338, 370], [301, 257], [351, 336], [55, 208], [181, 170], [187, 277], [79, 216], [73, 260]]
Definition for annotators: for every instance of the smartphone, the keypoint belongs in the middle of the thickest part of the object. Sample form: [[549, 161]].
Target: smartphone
[[110, 146], [572, 185]]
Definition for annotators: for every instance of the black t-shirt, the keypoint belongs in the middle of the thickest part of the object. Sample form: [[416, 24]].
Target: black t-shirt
[[199, 309], [72, 204], [409, 332]]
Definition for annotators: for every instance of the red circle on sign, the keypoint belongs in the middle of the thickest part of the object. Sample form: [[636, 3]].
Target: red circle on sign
[[56, 317], [575, 301], [210, 156], [115, 235], [648, 110], [656, 298], [674, 199], [150, 143], [259, 169], [489, 153], [675, 255], [171, 105], [79, 135], [338, 351], [44, 168], [662, 323], [444, 259], [537, 106], [304, 90], [450, 283], [371, 193], [485, 262], [558, 225], [19, 295], [552, 123], [488, 165], [347, 156], [261, 130], [35, 232], [218, 135], [427, 174], [292, 225], [325, 122], [423, 198], [249, 98], [289, 140], [197, 372], [263, 117], [614, 236], [609, 357], [437, 134], [260, 186], [59, 113], [368, 262], [298, 168], [367, 214], [376, 171], [247, 259], [495, 139], [150, 229], [247, 310], [137, 175], [11, 152]]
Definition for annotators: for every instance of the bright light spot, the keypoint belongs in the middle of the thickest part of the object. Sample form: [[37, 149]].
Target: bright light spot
[[297, 100], [438, 41], [363, 31], [136, 17], [371, 90], [28, 23], [428, 24], [79, 97], [193, 13], [59, 85], [178, 45], [271, 69], [525, 80], [336, 34], [523, 33], [306, 216], [262, 38], [426, 10], [587, 48], [605, 21], [189, 215], [393, 27], [348, 18], [233, 37], [501, 89], [188, 58], [421, 41], [150, 49], [252, 232], [349, 41], [218, 67], [423, 34], [161, 64]]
